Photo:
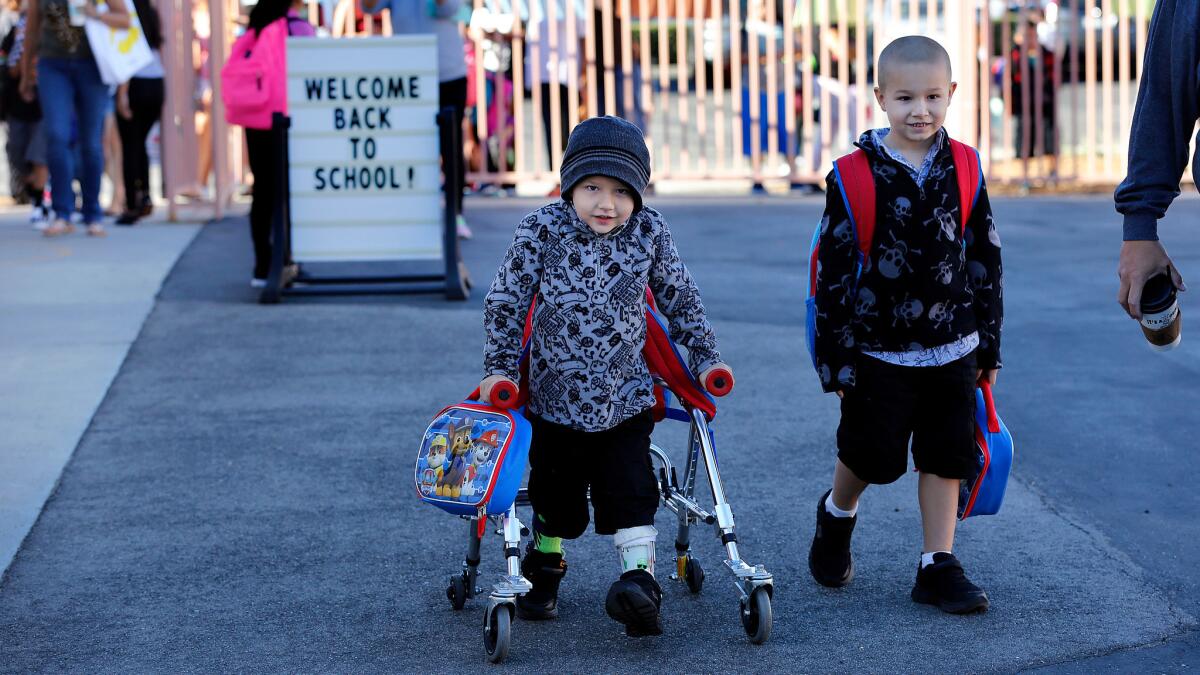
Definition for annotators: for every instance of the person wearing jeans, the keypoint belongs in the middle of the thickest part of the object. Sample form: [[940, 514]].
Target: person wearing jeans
[[69, 87]]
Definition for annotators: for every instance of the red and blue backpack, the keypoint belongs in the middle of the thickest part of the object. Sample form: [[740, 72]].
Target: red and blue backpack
[[857, 185]]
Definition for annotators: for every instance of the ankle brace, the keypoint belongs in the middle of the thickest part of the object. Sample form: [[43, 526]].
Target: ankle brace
[[635, 545]]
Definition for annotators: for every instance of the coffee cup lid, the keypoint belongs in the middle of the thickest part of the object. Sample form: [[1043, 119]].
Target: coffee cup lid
[[1158, 293]]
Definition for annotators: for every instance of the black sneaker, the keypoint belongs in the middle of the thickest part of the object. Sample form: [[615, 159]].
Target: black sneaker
[[546, 571], [829, 559], [635, 600], [943, 584]]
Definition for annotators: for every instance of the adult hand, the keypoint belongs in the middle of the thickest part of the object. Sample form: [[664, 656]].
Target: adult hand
[[123, 108], [28, 87], [989, 374], [840, 393], [488, 383], [1141, 260]]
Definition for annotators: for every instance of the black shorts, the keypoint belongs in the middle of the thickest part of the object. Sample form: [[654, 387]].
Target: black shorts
[[615, 464], [934, 406]]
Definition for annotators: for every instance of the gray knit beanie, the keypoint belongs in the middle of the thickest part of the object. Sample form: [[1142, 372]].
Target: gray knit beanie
[[606, 146]]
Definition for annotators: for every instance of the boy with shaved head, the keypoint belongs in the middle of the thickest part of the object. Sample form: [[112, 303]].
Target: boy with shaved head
[[906, 328]]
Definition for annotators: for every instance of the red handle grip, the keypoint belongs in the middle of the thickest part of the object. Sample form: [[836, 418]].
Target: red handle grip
[[989, 404], [504, 395], [719, 382]]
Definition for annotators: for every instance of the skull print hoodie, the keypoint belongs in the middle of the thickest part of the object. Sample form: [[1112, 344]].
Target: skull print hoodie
[[589, 326], [925, 283]]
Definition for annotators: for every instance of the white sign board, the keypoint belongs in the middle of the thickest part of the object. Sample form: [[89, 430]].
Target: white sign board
[[363, 149]]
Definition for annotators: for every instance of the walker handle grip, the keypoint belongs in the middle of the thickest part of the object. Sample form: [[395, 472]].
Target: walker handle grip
[[719, 382], [504, 395]]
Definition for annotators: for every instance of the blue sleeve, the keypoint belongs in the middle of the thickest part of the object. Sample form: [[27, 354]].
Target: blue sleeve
[[1163, 120]]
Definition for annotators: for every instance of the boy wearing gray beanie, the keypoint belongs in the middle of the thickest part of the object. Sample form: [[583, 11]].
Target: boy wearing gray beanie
[[587, 261]]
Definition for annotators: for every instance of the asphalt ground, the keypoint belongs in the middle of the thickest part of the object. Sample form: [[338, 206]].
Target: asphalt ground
[[241, 499]]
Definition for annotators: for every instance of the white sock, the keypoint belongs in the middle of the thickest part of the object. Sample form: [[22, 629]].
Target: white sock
[[835, 511], [927, 558], [635, 545]]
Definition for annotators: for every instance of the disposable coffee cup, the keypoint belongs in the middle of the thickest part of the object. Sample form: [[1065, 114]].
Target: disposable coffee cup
[[1162, 322]]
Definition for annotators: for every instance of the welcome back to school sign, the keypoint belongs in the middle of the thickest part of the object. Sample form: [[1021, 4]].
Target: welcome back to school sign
[[363, 149]]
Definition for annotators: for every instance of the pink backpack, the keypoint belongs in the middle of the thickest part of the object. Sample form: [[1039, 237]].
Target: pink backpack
[[254, 80]]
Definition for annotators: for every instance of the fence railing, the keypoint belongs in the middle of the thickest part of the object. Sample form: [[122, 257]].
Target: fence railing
[[763, 90]]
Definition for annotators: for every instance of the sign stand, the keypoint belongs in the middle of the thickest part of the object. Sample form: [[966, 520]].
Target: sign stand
[[357, 162], [287, 278]]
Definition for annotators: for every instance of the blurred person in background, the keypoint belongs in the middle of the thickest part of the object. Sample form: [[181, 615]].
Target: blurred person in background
[[441, 18], [111, 141], [554, 67], [139, 105], [26, 139], [260, 144], [1033, 60], [57, 66]]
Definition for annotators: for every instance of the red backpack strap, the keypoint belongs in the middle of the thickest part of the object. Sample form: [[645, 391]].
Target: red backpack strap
[[858, 193], [970, 177]]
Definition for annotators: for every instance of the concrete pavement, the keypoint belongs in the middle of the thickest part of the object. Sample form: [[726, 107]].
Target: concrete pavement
[[72, 308], [241, 501]]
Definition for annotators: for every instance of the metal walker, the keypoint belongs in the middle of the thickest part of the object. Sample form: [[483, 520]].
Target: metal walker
[[754, 583]]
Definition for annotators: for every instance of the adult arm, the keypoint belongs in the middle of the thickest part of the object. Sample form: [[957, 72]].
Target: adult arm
[[33, 36], [678, 300], [1163, 120], [117, 15], [507, 303], [836, 294]]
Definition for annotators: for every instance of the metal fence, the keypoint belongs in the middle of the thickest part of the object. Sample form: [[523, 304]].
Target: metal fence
[[778, 89], [761, 90]]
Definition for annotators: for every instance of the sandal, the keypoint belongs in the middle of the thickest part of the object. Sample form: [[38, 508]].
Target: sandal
[[57, 228], [96, 230]]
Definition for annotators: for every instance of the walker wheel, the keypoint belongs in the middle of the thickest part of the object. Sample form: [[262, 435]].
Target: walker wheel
[[756, 615], [497, 636], [693, 575], [457, 591]]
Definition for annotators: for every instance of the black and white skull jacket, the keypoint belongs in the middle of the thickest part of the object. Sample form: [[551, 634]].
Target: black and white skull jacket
[[926, 283], [586, 368]]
